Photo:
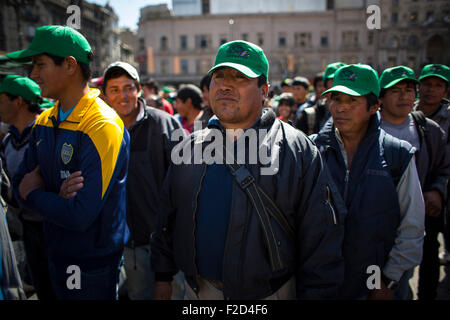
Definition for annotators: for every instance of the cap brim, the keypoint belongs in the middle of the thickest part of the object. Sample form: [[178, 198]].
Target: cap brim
[[22, 55], [239, 67], [434, 75], [394, 82], [351, 92]]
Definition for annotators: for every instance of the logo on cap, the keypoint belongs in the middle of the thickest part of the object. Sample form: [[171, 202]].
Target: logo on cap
[[66, 153], [436, 69], [349, 75], [238, 51], [399, 73]]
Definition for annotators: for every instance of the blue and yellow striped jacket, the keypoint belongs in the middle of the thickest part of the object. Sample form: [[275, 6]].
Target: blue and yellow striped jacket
[[93, 140]]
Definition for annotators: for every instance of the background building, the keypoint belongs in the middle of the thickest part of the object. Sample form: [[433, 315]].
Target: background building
[[99, 24]]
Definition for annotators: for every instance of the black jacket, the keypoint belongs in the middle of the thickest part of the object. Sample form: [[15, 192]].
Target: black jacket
[[300, 188], [150, 149]]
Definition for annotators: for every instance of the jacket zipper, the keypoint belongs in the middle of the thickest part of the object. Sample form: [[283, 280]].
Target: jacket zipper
[[328, 202], [347, 177], [194, 217]]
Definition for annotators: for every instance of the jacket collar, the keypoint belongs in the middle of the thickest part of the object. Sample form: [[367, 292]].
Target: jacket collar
[[267, 118], [80, 109]]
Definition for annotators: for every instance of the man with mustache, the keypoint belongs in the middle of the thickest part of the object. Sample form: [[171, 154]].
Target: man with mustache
[[398, 93], [433, 90], [84, 216], [377, 178], [252, 232]]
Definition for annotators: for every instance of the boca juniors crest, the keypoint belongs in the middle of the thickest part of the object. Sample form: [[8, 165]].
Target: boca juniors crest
[[66, 153]]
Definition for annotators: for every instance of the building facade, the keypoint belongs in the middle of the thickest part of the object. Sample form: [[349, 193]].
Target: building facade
[[182, 48], [99, 24]]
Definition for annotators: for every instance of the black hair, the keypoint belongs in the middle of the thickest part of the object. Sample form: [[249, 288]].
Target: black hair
[[206, 80], [86, 71], [408, 82], [262, 80], [117, 72], [372, 100], [317, 79], [33, 107], [151, 84], [156, 99], [191, 91]]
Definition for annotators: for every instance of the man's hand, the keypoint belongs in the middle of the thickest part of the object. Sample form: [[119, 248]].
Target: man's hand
[[163, 290], [71, 185], [433, 203], [381, 294], [31, 181]]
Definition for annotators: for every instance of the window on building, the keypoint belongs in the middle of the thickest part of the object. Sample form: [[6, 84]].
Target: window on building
[[392, 43], [395, 2], [260, 39], [244, 36], [324, 39], [141, 44], [202, 41], [164, 44], [303, 40], [164, 66], [330, 4], [350, 38], [413, 17], [413, 41], [184, 64], [429, 16], [282, 39], [183, 42], [205, 6], [394, 18], [223, 39]]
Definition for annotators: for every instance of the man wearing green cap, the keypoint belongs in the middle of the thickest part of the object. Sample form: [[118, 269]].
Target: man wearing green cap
[[377, 178], [214, 220], [398, 93], [433, 90], [74, 171], [19, 107], [310, 120]]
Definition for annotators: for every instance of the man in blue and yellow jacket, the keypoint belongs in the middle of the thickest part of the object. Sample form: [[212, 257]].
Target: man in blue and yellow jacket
[[74, 172]]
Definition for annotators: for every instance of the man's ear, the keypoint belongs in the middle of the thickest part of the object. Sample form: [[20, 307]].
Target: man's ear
[[70, 65], [373, 109], [265, 91]]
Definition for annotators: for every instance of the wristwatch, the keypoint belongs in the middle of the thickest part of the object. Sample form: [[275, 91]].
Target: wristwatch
[[390, 284]]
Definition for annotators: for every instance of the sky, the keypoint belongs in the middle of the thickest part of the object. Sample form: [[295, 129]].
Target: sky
[[128, 10]]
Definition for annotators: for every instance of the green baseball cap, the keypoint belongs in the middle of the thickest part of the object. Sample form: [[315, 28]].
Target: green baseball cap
[[331, 70], [356, 80], [435, 70], [392, 76], [46, 103], [61, 41], [21, 87], [243, 56]]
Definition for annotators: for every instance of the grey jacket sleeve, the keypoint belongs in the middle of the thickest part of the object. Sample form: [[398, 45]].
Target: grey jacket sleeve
[[320, 232], [407, 250]]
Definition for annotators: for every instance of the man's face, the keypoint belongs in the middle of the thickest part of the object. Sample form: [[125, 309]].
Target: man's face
[[284, 110], [299, 93], [8, 109], [50, 77], [182, 107], [122, 95], [235, 98], [432, 90], [286, 89], [319, 88], [350, 114], [398, 100]]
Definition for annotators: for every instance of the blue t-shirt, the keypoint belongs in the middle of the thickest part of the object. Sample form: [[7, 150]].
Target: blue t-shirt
[[213, 215], [62, 116]]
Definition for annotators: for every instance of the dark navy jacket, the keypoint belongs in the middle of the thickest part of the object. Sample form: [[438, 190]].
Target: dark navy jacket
[[370, 194]]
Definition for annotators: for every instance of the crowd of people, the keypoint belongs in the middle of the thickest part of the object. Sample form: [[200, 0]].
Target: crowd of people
[[352, 173]]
